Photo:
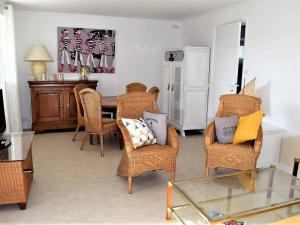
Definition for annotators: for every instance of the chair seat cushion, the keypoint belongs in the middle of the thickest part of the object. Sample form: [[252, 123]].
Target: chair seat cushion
[[109, 125], [107, 121], [155, 148], [231, 156], [139, 132]]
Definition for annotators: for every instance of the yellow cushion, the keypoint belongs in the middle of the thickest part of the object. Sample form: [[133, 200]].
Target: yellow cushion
[[247, 128]]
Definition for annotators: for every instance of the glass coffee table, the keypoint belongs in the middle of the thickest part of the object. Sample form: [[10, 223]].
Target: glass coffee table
[[224, 198]]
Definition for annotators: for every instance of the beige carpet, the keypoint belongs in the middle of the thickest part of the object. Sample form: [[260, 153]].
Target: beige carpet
[[79, 187]]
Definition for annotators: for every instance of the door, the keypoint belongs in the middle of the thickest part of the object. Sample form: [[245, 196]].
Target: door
[[48, 105], [225, 63], [70, 106], [176, 93]]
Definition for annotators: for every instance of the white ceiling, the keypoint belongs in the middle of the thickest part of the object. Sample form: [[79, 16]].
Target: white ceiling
[[159, 9]]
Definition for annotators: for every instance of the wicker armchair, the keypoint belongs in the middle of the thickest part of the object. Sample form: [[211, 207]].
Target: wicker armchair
[[150, 157], [155, 91], [135, 87], [242, 156], [94, 123], [80, 118]]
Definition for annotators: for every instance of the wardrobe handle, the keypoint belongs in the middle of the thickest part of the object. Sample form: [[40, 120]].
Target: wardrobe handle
[[172, 87], [61, 106], [168, 86], [68, 105]]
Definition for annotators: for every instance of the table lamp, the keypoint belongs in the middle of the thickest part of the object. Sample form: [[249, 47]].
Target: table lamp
[[38, 55]]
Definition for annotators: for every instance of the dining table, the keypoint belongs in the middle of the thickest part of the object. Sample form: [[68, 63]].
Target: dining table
[[109, 102]]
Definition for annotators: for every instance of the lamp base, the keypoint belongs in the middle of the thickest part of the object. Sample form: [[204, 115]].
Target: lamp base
[[38, 68]]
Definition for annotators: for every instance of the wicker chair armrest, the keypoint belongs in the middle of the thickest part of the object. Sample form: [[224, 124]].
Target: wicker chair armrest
[[126, 136], [173, 140], [210, 134], [259, 140]]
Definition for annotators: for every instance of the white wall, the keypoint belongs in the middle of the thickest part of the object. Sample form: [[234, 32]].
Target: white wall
[[139, 44], [272, 55]]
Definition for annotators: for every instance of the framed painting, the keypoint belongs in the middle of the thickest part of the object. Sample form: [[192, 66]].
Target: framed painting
[[81, 47]]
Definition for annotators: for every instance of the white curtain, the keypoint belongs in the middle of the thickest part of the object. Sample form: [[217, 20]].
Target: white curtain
[[9, 76]]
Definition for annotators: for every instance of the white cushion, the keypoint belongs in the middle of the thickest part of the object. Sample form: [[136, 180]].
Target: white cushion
[[140, 133]]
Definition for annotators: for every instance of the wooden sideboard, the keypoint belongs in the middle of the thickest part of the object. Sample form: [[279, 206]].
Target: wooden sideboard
[[53, 104]]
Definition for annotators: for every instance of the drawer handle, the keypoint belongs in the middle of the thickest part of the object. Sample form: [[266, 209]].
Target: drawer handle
[[68, 106], [61, 106]]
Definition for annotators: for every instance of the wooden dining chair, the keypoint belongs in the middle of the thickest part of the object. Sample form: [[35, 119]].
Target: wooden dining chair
[[94, 123], [80, 117], [135, 87], [155, 91]]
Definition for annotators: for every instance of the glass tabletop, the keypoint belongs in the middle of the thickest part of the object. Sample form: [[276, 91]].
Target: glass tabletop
[[188, 215], [20, 145], [226, 197]]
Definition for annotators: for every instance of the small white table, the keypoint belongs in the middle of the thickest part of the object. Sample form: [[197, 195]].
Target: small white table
[[270, 151]]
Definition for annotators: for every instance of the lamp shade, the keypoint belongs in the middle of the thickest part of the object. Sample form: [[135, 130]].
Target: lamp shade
[[38, 52]]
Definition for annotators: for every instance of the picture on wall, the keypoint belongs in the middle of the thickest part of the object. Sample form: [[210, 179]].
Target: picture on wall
[[92, 48]]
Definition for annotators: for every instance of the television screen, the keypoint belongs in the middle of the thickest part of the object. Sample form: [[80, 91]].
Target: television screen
[[2, 113]]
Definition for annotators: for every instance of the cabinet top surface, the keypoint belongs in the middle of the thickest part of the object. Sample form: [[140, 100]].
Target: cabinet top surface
[[62, 82], [184, 48], [20, 145]]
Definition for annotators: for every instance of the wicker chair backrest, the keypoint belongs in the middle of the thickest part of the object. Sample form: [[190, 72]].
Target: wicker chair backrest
[[155, 91], [135, 87], [132, 105], [91, 102], [238, 104], [76, 90]]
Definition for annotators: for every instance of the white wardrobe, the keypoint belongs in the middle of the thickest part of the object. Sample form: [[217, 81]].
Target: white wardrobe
[[185, 74]]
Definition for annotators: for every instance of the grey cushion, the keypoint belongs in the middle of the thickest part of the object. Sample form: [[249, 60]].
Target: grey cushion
[[225, 128], [157, 122]]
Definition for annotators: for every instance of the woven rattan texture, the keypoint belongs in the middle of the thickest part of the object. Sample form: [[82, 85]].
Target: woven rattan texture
[[14, 183], [243, 156], [94, 123], [80, 117], [155, 91], [135, 87], [151, 157], [76, 90]]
